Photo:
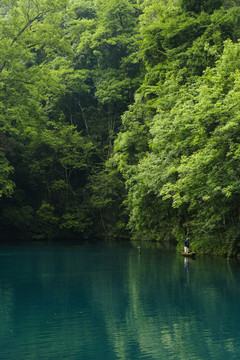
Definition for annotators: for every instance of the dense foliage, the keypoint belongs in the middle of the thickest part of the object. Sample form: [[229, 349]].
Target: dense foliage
[[66, 76], [121, 119], [178, 150]]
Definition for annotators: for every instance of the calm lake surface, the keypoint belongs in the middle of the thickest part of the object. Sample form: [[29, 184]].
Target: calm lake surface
[[107, 302]]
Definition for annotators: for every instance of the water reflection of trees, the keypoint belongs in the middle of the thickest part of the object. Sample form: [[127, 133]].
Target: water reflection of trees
[[171, 313], [127, 305]]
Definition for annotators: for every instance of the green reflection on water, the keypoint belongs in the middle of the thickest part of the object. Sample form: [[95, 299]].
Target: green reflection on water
[[110, 302]]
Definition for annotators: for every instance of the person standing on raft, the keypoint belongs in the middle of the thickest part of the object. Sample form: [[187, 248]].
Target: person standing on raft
[[186, 245]]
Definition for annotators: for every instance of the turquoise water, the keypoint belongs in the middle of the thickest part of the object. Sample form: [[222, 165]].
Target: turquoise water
[[107, 302]]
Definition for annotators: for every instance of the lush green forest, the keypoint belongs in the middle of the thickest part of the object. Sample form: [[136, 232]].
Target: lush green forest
[[121, 120]]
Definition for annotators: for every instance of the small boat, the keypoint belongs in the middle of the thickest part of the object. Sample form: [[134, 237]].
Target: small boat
[[189, 254]]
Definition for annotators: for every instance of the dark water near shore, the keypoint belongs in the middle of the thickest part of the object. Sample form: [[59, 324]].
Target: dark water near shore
[[107, 302]]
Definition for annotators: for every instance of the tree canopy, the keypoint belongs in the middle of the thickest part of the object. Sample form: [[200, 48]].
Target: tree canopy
[[120, 120]]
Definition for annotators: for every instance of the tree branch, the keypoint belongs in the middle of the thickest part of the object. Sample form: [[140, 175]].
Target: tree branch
[[18, 80], [26, 26], [29, 23]]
